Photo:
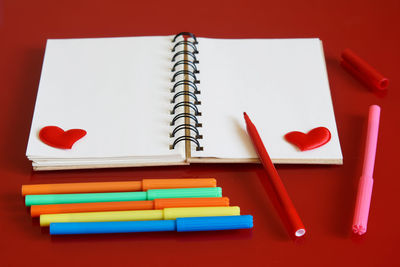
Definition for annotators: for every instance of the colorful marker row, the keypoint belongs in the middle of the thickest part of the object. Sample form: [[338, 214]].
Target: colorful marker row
[[88, 209]]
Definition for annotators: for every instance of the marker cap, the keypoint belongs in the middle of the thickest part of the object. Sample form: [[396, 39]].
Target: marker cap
[[363, 71], [214, 223], [173, 213], [191, 202], [177, 183], [184, 192]]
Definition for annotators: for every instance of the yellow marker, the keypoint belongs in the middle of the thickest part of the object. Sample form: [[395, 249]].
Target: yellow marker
[[138, 215]]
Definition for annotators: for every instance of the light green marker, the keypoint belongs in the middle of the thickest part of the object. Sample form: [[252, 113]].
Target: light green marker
[[122, 196]]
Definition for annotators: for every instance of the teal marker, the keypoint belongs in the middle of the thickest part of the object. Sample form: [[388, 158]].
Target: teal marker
[[122, 196]]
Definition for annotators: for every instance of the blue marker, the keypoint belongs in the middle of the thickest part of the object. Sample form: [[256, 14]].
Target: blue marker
[[179, 225]]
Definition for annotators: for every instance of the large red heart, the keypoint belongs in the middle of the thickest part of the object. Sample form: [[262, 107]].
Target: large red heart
[[315, 138], [56, 137]]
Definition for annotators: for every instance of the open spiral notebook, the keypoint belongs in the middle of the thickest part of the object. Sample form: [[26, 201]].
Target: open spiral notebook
[[168, 100]]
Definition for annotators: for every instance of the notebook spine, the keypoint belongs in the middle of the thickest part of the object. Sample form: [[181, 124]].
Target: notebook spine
[[185, 91]]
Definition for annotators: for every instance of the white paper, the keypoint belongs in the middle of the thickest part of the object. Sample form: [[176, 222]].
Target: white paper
[[117, 89], [281, 83]]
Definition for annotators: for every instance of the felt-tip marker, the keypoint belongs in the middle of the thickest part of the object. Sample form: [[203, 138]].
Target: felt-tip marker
[[123, 186], [122, 196], [180, 225]]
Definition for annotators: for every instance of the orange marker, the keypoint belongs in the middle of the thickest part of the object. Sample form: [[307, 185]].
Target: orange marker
[[100, 187], [37, 210]]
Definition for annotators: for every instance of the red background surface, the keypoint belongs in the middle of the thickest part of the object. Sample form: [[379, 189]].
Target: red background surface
[[323, 195]]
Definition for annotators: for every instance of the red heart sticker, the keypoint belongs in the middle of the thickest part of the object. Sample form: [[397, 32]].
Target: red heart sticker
[[56, 137], [315, 138]]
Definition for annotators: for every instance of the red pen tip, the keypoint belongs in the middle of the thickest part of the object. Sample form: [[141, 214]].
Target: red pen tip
[[246, 117]]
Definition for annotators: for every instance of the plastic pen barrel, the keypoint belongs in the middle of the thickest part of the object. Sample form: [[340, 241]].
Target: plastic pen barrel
[[111, 227], [125, 186], [122, 196], [180, 225], [83, 198], [37, 210], [72, 188], [296, 225]]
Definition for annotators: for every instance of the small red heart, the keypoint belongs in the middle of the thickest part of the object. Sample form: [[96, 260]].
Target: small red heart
[[56, 137], [315, 138]]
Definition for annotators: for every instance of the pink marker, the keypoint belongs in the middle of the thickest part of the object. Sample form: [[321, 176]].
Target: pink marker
[[364, 193]]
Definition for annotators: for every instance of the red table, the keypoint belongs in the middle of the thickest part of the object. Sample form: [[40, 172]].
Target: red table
[[323, 195]]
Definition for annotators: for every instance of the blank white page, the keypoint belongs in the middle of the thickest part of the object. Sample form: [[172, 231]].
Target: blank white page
[[117, 89], [281, 83]]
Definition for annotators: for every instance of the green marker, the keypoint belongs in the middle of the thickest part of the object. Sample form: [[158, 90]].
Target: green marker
[[122, 196]]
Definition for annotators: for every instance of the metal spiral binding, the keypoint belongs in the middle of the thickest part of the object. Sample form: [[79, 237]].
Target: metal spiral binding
[[191, 84], [185, 52], [185, 78], [185, 115], [192, 45], [186, 62], [185, 72], [188, 93], [186, 104], [186, 34], [187, 126]]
